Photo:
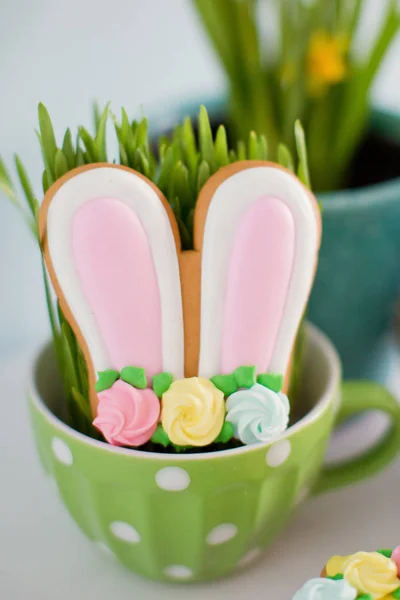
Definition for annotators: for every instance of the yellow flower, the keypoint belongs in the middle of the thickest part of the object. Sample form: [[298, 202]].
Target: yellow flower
[[192, 412], [368, 572], [335, 565], [326, 61]]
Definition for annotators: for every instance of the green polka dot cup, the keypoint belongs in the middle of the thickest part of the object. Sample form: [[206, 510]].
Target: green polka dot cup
[[200, 516]]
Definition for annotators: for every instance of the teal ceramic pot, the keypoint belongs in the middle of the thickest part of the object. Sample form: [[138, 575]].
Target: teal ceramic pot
[[358, 277], [193, 517]]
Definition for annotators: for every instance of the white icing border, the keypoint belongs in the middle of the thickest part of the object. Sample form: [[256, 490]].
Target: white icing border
[[230, 202], [136, 193]]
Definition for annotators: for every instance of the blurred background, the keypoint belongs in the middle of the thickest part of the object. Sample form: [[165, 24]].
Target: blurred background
[[152, 56]]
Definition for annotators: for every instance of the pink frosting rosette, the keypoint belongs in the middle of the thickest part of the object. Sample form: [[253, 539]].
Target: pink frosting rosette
[[396, 558], [127, 416]]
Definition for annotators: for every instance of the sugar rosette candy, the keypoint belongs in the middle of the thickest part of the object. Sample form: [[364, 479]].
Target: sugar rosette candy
[[257, 414], [193, 412], [369, 572], [127, 416], [326, 589]]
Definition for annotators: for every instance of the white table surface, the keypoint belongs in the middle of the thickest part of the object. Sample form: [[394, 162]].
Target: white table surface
[[148, 53]]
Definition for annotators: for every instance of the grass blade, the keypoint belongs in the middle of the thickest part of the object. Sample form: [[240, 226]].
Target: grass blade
[[49, 170], [141, 163], [142, 133], [80, 159], [101, 133], [241, 150], [203, 175], [232, 156], [6, 185], [96, 116], [166, 169], [82, 404], [47, 138], [285, 157], [45, 183], [25, 184], [206, 143], [52, 317], [8, 190], [90, 145], [262, 148], [180, 178], [216, 19], [123, 157], [68, 149], [61, 164], [189, 144], [301, 146], [221, 148], [253, 146], [390, 28]]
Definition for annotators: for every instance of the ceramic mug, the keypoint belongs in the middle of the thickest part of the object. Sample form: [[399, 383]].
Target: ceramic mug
[[199, 516]]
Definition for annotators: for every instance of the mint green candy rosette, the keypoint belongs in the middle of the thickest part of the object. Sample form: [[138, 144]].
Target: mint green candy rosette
[[258, 414], [326, 589]]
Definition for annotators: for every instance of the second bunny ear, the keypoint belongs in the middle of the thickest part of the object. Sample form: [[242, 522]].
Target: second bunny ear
[[110, 243], [259, 232]]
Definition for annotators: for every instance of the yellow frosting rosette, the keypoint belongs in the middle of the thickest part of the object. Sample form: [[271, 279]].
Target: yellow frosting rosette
[[192, 412], [368, 572]]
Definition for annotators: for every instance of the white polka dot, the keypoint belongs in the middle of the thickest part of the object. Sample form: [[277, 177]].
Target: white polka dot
[[302, 495], [125, 532], [178, 572], [278, 453], [173, 479], [62, 452], [222, 533], [249, 557]]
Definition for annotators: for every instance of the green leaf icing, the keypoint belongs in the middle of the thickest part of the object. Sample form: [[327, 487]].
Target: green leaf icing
[[336, 577], [245, 376], [135, 376], [272, 381], [225, 434], [226, 383], [106, 379], [386, 552], [161, 383], [160, 437], [396, 593], [365, 597]]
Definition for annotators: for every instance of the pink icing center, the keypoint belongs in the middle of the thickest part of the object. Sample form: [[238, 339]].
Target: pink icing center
[[116, 268], [258, 280], [127, 416]]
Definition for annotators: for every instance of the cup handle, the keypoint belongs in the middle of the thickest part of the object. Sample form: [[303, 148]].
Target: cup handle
[[357, 397]]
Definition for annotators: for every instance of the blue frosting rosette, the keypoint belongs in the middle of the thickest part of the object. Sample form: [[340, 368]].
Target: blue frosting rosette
[[257, 414], [326, 589]]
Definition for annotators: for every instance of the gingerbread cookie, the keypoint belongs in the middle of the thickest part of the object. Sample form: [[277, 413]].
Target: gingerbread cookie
[[148, 315]]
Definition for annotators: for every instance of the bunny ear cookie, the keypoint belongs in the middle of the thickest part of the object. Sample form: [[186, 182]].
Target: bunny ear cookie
[[224, 315], [111, 245], [258, 229]]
